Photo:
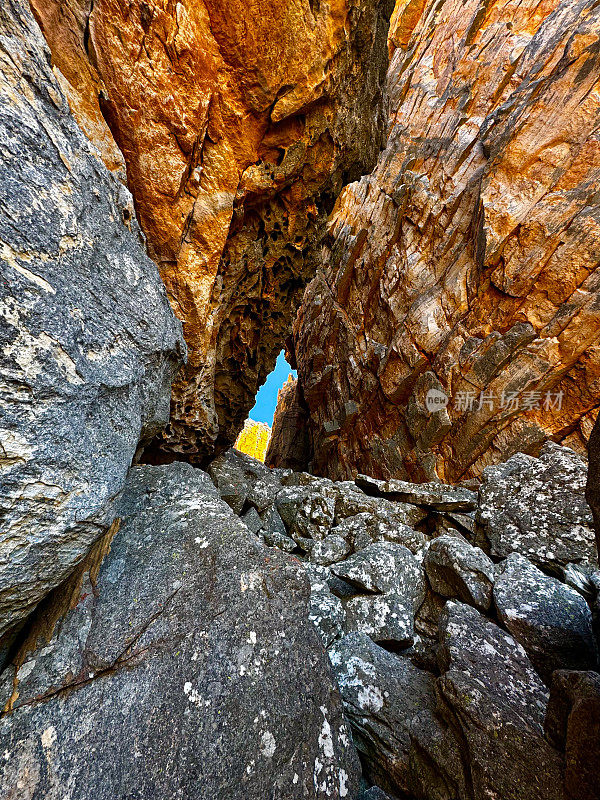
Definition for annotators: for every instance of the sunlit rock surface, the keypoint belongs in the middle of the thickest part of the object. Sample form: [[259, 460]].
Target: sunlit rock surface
[[254, 439], [237, 129], [466, 264]]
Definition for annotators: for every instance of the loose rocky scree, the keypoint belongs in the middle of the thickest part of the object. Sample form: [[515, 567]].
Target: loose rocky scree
[[449, 616]]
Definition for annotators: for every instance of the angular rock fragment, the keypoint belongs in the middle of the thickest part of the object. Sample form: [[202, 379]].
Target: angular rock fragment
[[351, 501], [330, 549], [500, 703], [365, 528], [438, 496], [242, 479], [458, 570], [185, 666], [537, 507], [552, 621], [308, 512], [387, 618], [384, 696], [382, 567], [326, 613], [395, 575], [89, 342]]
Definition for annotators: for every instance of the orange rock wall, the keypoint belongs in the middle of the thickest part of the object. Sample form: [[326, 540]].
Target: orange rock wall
[[467, 263], [237, 123]]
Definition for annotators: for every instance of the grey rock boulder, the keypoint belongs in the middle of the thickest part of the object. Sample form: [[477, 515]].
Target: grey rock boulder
[[458, 570], [330, 549], [308, 511], [438, 496], [185, 668], [394, 579], [350, 501], [243, 480], [88, 342], [326, 613], [552, 621], [382, 567], [537, 507], [384, 698], [573, 724], [500, 702], [361, 530], [387, 618]]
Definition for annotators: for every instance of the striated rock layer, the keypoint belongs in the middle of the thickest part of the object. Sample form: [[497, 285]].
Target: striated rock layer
[[289, 446], [237, 127], [89, 344], [466, 265]]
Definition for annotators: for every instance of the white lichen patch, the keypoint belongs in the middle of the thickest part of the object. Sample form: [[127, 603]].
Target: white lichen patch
[[267, 744]]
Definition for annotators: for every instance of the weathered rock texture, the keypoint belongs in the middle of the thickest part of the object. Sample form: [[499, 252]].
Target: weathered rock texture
[[238, 128], [467, 262], [289, 447], [186, 667], [89, 344], [445, 658]]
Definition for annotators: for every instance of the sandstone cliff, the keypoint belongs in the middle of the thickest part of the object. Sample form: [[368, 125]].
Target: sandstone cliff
[[466, 264], [237, 126]]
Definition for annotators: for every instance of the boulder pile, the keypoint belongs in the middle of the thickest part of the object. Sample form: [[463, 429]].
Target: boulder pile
[[460, 621]]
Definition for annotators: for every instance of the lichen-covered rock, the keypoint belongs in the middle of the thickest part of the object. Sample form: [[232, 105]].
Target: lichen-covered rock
[[308, 512], [365, 528], [330, 549], [458, 570], [431, 495], [455, 318], [592, 489], [537, 507], [326, 612], [384, 697], [395, 577], [242, 479], [185, 667], [89, 342], [500, 703], [238, 130], [381, 567], [552, 621]]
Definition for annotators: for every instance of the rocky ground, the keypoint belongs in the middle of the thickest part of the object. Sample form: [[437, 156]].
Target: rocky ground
[[256, 634], [461, 622]]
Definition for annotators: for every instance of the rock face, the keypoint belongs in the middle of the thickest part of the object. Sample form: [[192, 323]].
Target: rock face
[[289, 447], [89, 342], [186, 667], [254, 439], [237, 130], [455, 318]]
